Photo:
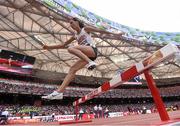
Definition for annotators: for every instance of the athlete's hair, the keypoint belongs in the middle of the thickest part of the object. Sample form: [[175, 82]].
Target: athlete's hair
[[81, 24]]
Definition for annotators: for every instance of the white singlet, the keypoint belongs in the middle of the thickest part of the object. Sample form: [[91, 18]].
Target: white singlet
[[84, 38]]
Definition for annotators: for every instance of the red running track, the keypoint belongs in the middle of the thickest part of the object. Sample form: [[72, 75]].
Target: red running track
[[131, 120]]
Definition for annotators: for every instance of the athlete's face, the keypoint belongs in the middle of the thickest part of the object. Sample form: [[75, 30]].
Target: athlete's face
[[74, 24]]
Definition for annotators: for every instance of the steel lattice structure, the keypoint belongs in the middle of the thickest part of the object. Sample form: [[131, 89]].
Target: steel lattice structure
[[21, 19]]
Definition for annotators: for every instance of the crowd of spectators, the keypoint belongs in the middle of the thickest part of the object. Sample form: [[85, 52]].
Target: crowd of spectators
[[22, 87], [13, 86], [97, 110], [27, 110]]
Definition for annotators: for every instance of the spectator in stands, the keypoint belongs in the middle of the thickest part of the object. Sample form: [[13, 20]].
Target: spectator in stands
[[81, 112], [100, 112], [144, 109], [53, 116], [9, 61], [86, 51], [106, 112], [4, 117], [177, 107], [95, 111], [31, 114]]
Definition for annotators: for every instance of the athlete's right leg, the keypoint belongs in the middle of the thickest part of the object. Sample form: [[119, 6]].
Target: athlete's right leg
[[84, 52]]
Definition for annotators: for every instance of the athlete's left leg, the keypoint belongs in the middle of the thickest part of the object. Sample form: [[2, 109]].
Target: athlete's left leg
[[71, 74], [58, 94]]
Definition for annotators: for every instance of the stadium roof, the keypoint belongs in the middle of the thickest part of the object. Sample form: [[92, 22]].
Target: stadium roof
[[20, 20]]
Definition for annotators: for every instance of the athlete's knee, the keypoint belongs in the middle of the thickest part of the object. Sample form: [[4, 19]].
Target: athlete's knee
[[71, 49]]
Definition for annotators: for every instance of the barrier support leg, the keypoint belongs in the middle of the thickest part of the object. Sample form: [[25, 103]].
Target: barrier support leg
[[156, 96]]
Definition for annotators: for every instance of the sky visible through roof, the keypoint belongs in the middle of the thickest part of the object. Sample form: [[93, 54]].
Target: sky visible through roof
[[148, 15]]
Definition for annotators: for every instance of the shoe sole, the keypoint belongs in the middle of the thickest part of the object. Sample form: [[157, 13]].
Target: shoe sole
[[45, 98], [92, 67], [53, 98], [58, 98]]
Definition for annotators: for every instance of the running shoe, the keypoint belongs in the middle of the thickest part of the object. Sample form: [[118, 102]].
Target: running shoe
[[91, 65], [53, 95]]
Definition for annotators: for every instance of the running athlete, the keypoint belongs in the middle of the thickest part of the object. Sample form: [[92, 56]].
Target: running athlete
[[86, 51]]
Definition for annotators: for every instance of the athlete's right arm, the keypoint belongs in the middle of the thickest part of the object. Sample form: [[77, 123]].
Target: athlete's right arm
[[62, 46]]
